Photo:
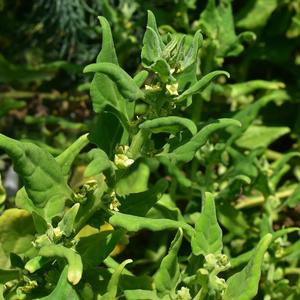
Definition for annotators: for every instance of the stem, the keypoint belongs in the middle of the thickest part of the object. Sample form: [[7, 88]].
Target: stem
[[111, 263], [203, 293], [173, 188], [55, 95], [273, 155], [259, 200], [197, 107], [292, 271]]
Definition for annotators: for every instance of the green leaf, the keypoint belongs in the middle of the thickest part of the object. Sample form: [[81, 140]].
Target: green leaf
[[125, 84], [242, 165], [140, 78], [162, 68], [200, 84], [42, 176], [232, 219], [186, 152], [16, 261], [104, 242], [191, 56], [112, 287], [247, 115], [140, 294], [243, 88], [207, 238], [40, 223], [109, 12], [92, 204], [134, 180], [8, 275], [23, 201], [36, 263], [260, 136], [189, 64], [152, 42], [138, 204], [278, 167], [175, 172], [65, 161], [165, 208], [16, 235], [100, 162], [106, 139], [67, 223], [256, 13], [282, 232], [108, 52], [167, 277], [103, 90], [293, 199], [244, 284], [129, 282], [24, 74], [241, 259], [63, 123], [74, 260], [135, 223], [218, 24], [170, 124], [294, 29], [67, 157], [63, 289]]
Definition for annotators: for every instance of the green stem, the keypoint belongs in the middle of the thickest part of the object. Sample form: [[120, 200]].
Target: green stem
[[44, 96], [173, 188], [259, 200], [203, 293], [292, 271], [197, 107], [111, 263], [273, 155]]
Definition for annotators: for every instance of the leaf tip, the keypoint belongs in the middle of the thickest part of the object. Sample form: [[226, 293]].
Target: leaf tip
[[86, 69], [226, 74], [74, 276]]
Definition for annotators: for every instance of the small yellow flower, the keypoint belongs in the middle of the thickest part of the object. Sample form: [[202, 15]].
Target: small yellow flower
[[115, 204], [57, 233], [172, 89], [184, 294], [153, 88], [122, 161]]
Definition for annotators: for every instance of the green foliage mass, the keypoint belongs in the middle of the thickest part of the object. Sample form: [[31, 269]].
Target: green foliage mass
[[184, 181]]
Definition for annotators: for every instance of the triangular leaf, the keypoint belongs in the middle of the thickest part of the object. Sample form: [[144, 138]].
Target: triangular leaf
[[207, 238], [63, 289], [167, 277], [244, 284]]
